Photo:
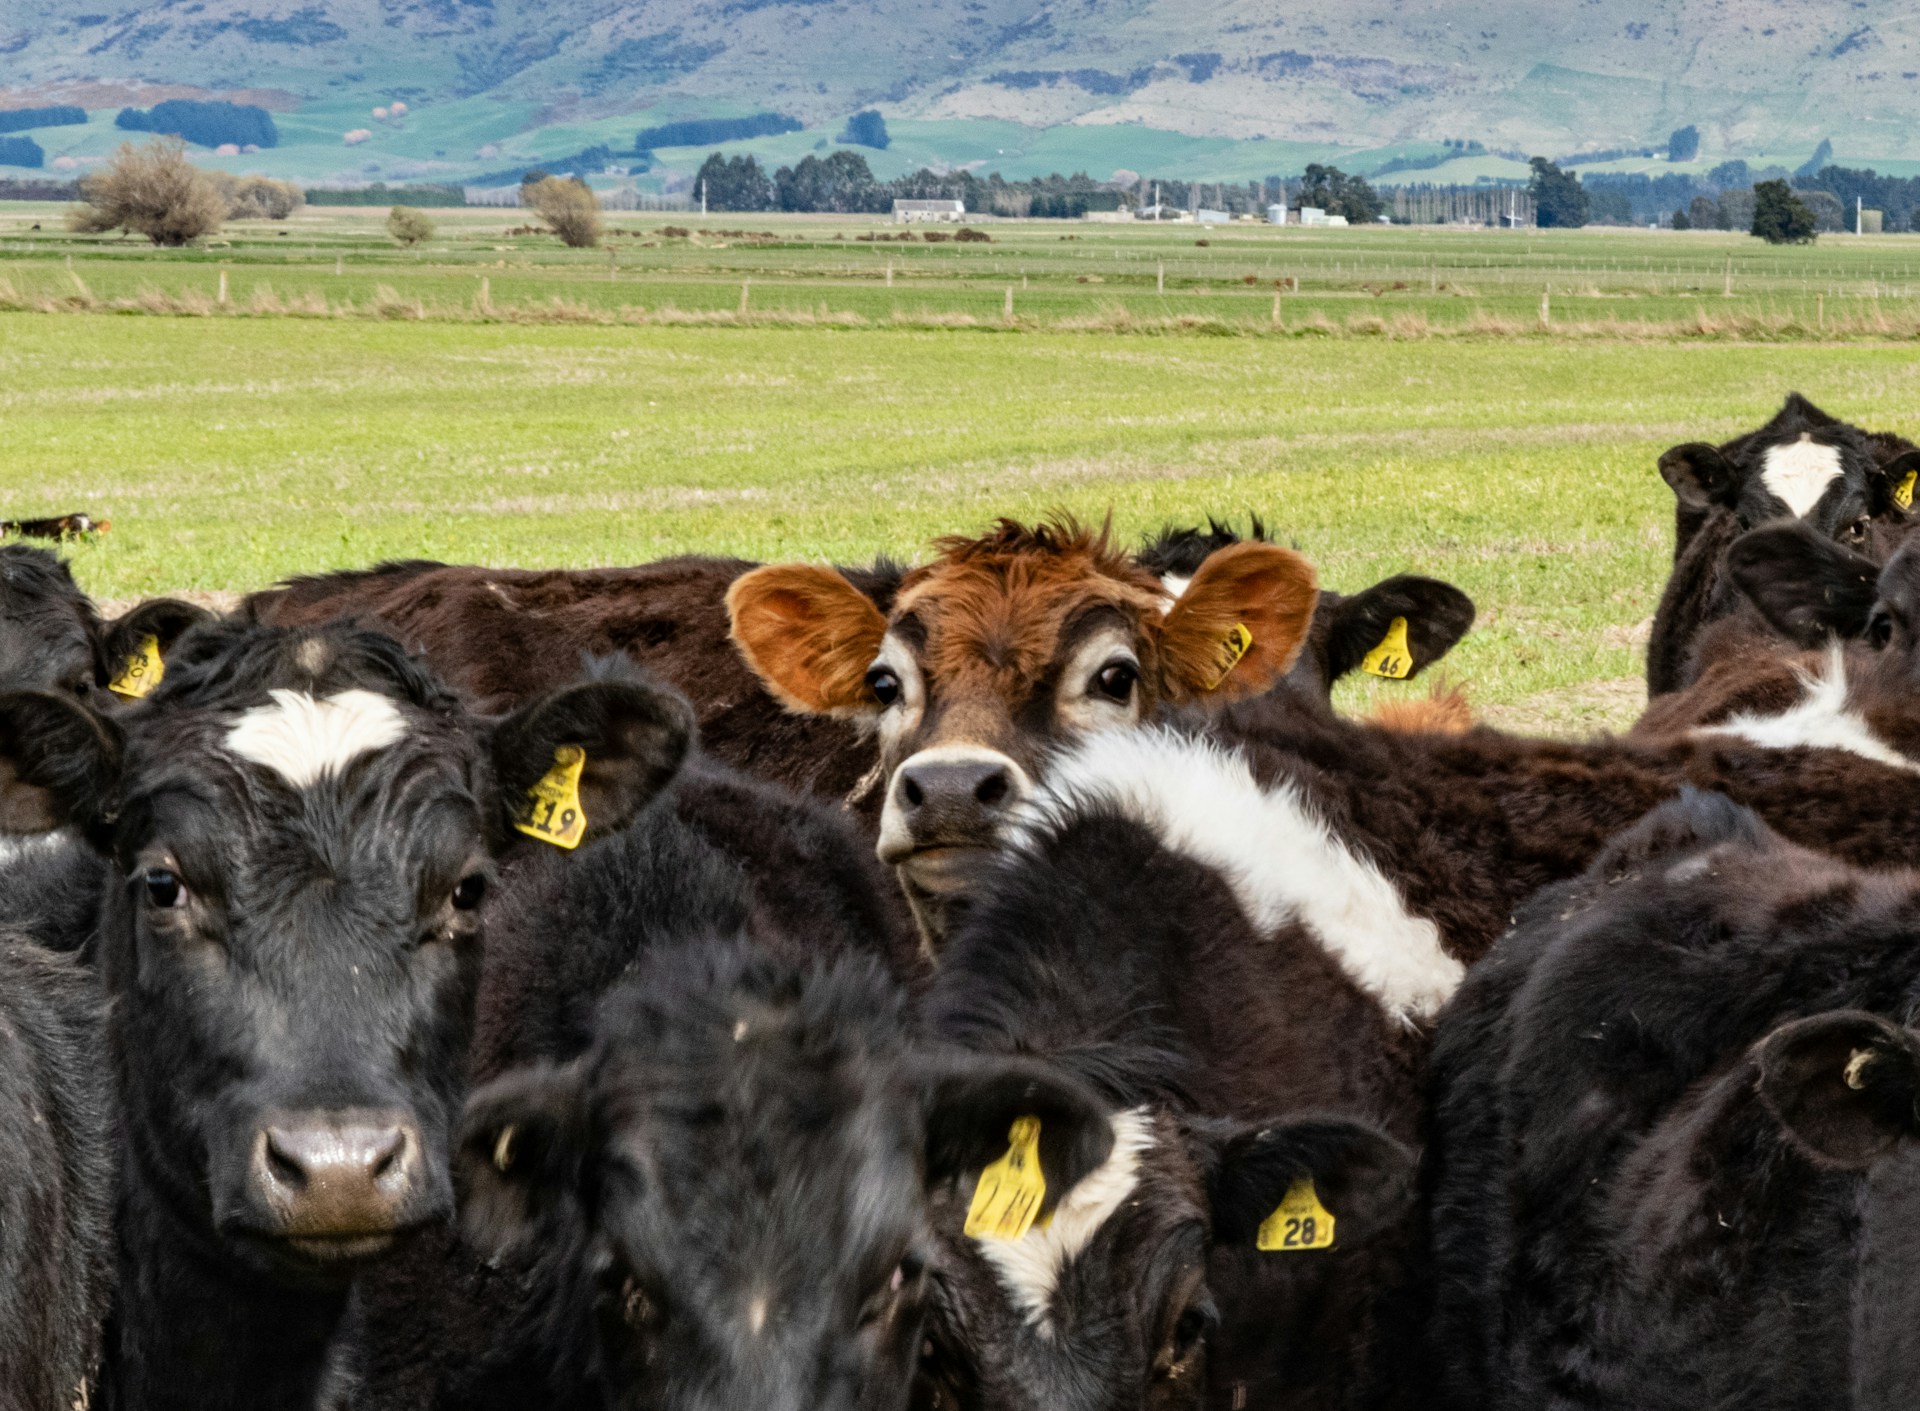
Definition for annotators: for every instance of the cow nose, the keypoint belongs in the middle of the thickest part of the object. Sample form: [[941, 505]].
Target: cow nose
[[956, 800], [328, 1178]]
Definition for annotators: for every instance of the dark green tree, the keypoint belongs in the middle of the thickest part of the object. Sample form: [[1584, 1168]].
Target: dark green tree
[[842, 182], [866, 129], [1681, 220], [1780, 217], [1338, 194], [1684, 145], [1559, 200], [734, 184]]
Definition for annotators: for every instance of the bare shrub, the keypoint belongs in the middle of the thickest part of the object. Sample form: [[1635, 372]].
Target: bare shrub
[[409, 226], [258, 197], [152, 191], [569, 208]]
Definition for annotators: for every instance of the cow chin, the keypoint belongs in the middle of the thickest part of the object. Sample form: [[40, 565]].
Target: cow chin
[[940, 884]]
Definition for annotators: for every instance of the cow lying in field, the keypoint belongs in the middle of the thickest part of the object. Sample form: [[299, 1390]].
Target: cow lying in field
[[1852, 487], [1674, 1122]]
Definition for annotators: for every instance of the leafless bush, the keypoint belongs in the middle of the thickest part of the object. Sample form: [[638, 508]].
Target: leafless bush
[[409, 226], [258, 197], [568, 207], [153, 191]]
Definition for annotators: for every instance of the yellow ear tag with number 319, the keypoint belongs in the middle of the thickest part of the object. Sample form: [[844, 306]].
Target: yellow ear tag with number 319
[[552, 811], [1393, 658], [141, 672], [1300, 1221], [1011, 1189], [1903, 492]]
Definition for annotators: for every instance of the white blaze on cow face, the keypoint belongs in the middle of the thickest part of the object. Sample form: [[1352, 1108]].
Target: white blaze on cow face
[[1819, 720], [303, 739], [1029, 1267], [1799, 473]]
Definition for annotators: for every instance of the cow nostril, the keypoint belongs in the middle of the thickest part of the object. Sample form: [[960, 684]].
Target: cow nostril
[[282, 1165], [992, 790], [912, 790], [392, 1156]]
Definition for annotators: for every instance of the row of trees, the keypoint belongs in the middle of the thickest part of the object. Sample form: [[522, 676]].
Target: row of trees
[[156, 192], [206, 124]]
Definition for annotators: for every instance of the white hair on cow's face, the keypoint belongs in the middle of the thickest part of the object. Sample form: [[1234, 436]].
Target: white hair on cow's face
[[303, 739], [1030, 1266], [1799, 473], [1283, 863], [19, 847], [1818, 720]]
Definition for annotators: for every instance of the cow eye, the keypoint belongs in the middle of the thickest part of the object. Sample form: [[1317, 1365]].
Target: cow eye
[[469, 892], [884, 684], [1879, 628], [164, 889], [1117, 680], [1856, 532]]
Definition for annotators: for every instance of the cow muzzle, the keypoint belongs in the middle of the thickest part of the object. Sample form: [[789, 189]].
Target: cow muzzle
[[338, 1186], [948, 809]]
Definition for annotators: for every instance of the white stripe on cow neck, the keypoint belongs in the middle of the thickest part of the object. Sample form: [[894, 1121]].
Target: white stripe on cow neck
[[1800, 472], [1030, 1266], [1819, 720], [303, 739], [1282, 861]]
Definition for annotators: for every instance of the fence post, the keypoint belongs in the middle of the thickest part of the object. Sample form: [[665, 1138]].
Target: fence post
[[1160, 279], [1546, 309], [745, 285], [1007, 307]]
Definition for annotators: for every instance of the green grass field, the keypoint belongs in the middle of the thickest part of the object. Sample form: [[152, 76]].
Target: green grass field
[[230, 450]]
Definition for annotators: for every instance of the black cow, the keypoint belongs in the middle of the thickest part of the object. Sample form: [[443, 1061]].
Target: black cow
[[306, 824], [1852, 486], [1673, 1134], [52, 638]]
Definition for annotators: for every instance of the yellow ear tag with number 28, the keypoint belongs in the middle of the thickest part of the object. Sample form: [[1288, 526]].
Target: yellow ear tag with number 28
[[1011, 1189], [1393, 658], [552, 811], [1233, 646], [142, 671], [1903, 492], [1300, 1221]]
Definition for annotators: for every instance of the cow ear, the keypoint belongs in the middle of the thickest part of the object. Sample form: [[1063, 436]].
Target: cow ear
[[602, 749], [59, 763], [155, 626], [1397, 628], [1700, 475], [972, 1104], [808, 633], [1843, 1086], [1899, 483], [519, 1153], [1356, 1173], [1805, 585], [1240, 624]]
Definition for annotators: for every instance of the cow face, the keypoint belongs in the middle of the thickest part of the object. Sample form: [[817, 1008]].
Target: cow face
[[731, 1186], [1803, 464], [302, 828], [998, 651], [1109, 1306]]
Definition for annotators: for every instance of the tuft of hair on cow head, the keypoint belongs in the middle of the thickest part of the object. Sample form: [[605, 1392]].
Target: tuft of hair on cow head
[[1844, 1086], [1358, 1174], [972, 1103], [1239, 624], [808, 633], [634, 735], [60, 764], [517, 1157], [1700, 476], [1807, 587]]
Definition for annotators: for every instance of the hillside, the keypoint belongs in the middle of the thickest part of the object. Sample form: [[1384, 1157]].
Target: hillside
[[493, 81]]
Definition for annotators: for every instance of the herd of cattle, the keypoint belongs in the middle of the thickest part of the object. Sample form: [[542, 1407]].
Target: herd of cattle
[[1004, 982]]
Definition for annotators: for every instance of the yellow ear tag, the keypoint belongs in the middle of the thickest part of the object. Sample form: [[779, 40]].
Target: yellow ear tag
[[141, 673], [1011, 1189], [1903, 492], [1233, 646], [1300, 1221], [552, 811], [1393, 658]]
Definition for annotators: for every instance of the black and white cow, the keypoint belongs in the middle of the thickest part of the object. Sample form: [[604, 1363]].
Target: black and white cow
[[302, 828], [1672, 1161], [1850, 486], [52, 637]]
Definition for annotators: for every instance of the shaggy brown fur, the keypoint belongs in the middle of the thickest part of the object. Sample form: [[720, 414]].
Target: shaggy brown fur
[[1444, 711]]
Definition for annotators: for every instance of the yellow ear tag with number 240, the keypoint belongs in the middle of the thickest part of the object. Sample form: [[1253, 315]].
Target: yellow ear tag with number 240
[[1393, 658], [1300, 1221], [1008, 1196], [1233, 646], [1903, 492], [141, 672], [552, 811]]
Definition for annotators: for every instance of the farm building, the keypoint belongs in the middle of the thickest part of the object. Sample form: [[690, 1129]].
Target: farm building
[[908, 212]]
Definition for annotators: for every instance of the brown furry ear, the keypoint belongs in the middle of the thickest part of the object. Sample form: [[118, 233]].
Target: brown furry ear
[[808, 633], [1239, 625]]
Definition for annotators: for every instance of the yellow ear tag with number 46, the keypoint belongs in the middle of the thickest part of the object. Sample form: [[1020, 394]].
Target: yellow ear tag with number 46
[[1903, 492], [1300, 1221], [552, 811], [1393, 658], [1233, 646], [1010, 1191], [141, 672]]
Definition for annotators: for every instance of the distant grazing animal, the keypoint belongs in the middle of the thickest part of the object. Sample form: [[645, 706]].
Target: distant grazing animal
[[1852, 486], [63, 526], [1671, 1162], [52, 638]]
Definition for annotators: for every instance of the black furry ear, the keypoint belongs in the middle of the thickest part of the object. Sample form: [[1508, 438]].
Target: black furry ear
[[1899, 479], [1354, 1172], [519, 1155], [59, 764], [1700, 475], [1845, 1086], [972, 1105], [134, 646], [1397, 628]]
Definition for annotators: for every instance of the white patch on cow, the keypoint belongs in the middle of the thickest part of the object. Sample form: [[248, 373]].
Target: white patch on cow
[[1282, 861], [1175, 585], [1799, 473], [1079, 704], [1819, 720], [896, 834], [1029, 1267], [303, 739], [757, 1314]]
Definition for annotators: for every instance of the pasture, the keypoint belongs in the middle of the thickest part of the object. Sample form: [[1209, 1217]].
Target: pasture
[[1388, 399]]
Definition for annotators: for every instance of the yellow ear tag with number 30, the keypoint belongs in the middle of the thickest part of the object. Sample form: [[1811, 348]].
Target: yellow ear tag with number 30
[[141, 672], [1393, 658], [1299, 1222], [552, 811], [1233, 646], [1903, 492], [1011, 1189]]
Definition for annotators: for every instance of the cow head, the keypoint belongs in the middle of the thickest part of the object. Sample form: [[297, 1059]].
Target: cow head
[[1804, 464], [730, 1189], [999, 650], [301, 827]]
